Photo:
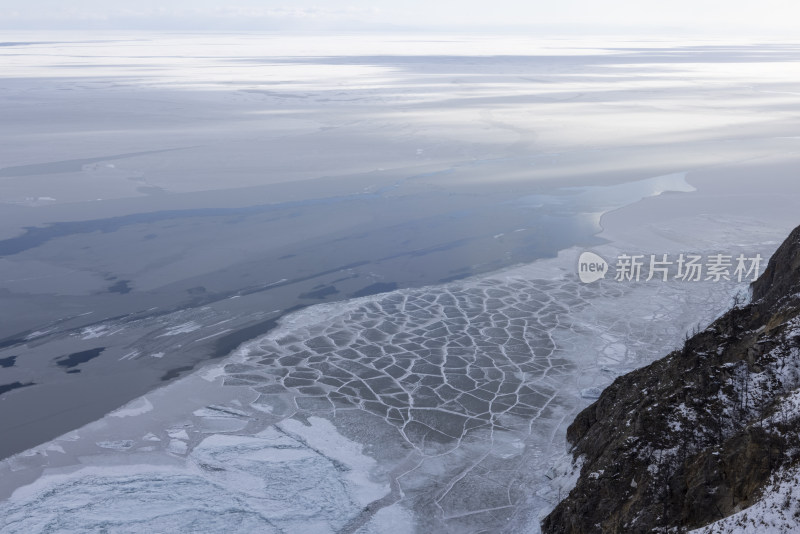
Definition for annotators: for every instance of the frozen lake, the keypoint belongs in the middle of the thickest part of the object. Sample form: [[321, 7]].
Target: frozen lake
[[392, 225]]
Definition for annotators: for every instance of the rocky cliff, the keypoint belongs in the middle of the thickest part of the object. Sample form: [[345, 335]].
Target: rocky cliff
[[697, 435]]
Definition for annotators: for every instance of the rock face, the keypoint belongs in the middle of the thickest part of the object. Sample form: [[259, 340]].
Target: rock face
[[695, 436]]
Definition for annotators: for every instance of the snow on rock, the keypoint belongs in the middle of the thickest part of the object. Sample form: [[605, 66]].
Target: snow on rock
[[776, 512]]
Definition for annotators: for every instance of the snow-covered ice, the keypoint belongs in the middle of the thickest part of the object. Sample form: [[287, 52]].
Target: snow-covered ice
[[444, 408], [274, 481]]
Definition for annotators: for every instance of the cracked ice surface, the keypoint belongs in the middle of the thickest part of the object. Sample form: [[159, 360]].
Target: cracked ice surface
[[238, 483], [440, 409], [480, 378]]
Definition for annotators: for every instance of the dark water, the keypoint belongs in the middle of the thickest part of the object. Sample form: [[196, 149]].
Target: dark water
[[14, 385], [396, 241], [76, 358]]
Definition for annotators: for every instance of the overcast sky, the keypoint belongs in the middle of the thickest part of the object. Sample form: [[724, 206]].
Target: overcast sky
[[713, 16]]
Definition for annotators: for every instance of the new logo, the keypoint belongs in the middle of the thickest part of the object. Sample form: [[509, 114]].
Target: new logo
[[591, 267]]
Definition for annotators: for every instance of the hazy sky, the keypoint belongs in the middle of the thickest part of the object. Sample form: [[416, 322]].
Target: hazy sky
[[717, 16]]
